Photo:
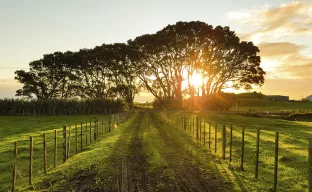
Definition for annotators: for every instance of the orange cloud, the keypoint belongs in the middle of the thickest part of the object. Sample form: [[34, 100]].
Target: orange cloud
[[288, 19], [286, 60]]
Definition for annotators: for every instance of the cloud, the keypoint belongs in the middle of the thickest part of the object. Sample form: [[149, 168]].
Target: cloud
[[279, 49], [283, 60], [286, 20]]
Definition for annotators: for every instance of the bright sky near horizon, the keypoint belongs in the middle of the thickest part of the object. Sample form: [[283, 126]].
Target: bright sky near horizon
[[282, 30]]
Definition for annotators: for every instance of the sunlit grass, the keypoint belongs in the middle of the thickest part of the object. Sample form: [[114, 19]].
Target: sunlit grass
[[19, 129], [293, 151]]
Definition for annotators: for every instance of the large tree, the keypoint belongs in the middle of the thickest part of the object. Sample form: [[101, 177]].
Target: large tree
[[177, 51]]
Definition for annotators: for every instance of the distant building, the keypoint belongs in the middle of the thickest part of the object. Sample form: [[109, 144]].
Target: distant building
[[276, 97], [309, 98]]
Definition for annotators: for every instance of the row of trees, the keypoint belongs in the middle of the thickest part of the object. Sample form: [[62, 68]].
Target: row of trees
[[104, 72], [158, 62]]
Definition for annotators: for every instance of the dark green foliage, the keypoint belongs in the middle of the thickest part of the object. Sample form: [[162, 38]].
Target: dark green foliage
[[59, 107], [168, 103]]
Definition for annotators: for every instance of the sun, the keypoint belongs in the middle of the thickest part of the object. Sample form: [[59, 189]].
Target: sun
[[196, 79]]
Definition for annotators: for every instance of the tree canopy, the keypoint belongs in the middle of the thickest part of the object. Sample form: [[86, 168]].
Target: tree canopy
[[163, 63]]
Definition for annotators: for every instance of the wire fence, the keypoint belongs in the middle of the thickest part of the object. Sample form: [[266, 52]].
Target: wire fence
[[39, 154], [271, 158]]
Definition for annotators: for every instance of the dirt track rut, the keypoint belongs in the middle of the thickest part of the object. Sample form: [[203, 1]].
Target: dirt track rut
[[132, 165]]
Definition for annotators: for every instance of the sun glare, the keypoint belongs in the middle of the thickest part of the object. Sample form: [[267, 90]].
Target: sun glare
[[196, 79]]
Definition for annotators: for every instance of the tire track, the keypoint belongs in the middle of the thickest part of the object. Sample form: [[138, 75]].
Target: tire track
[[188, 175]]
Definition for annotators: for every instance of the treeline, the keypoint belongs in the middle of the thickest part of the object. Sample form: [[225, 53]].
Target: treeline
[[159, 63], [18, 107], [102, 73]]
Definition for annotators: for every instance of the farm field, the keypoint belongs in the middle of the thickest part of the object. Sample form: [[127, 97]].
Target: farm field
[[259, 105], [20, 128], [293, 150], [145, 154], [152, 152]]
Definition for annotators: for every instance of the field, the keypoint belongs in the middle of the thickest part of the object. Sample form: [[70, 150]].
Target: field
[[19, 129], [159, 151], [293, 151], [259, 105]]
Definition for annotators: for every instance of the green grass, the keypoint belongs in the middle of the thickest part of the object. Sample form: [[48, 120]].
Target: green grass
[[87, 166], [293, 150], [261, 104], [21, 128]]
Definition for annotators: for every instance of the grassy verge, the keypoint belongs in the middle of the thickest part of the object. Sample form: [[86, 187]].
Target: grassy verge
[[293, 151]]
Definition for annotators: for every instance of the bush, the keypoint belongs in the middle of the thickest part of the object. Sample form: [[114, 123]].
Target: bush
[[167, 103]]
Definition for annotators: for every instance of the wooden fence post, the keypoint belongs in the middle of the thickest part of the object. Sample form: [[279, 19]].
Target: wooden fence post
[[257, 153], [223, 141], [14, 166], [102, 127], [68, 146], [86, 132], [44, 154], [204, 132], [209, 135], [231, 141], [243, 148], [64, 145], [200, 130], [90, 131], [55, 148], [76, 139], [30, 159], [194, 126], [81, 136], [275, 162], [197, 128], [310, 165], [94, 131], [216, 141]]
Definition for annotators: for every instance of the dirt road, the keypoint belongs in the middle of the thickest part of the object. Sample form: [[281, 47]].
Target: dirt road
[[152, 155]]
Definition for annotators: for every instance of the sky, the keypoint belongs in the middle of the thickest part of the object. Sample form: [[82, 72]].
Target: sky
[[281, 29]]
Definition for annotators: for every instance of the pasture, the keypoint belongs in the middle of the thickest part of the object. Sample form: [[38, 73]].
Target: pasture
[[150, 144], [20, 128]]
